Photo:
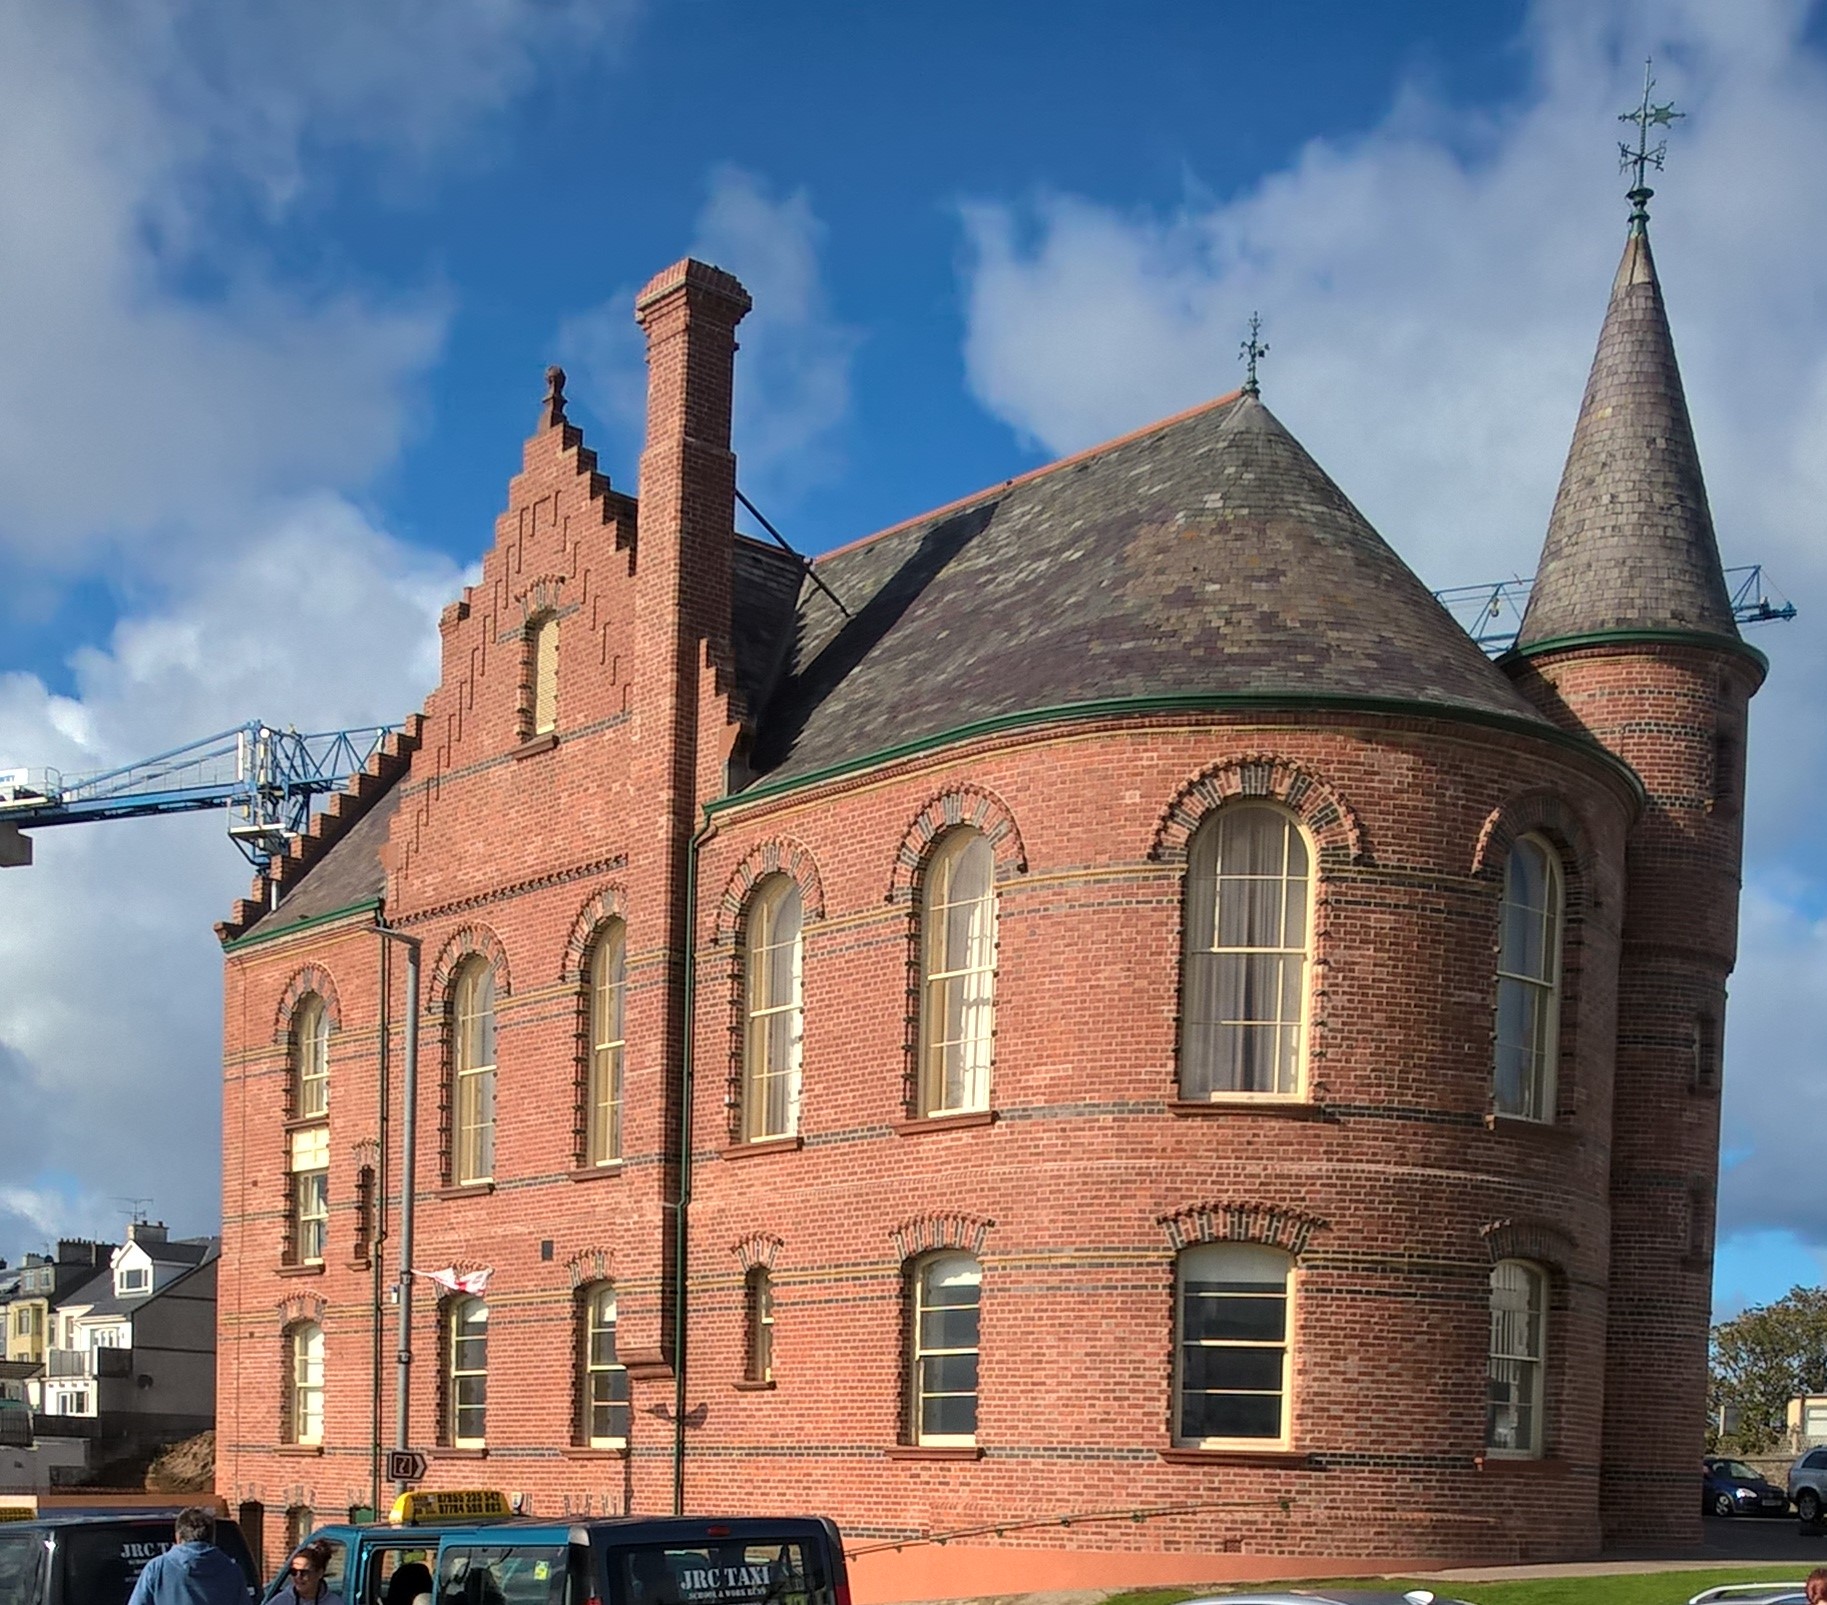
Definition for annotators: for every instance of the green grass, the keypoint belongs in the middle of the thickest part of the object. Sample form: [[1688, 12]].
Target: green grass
[[1637, 1588]]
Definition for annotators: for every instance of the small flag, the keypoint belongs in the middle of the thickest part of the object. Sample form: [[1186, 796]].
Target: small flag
[[453, 1280]]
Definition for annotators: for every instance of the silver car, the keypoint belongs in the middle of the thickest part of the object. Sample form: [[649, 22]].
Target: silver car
[[1328, 1596], [1808, 1485], [1753, 1594]]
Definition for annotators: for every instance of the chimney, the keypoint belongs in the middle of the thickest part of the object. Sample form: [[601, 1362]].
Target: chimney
[[148, 1231], [688, 472]]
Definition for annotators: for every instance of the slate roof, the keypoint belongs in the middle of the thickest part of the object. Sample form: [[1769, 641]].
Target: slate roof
[[1207, 556], [1630, 543], [349, 873]]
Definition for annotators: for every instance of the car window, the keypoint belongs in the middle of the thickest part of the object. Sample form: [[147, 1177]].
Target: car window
[[1816, 1459], [102, 1561], [1736, 1468], [21, 1567], [383, 1563], [503, 1574], [773, 1572]]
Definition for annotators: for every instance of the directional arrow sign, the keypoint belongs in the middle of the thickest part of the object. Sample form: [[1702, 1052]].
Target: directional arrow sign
[[405, 1465]]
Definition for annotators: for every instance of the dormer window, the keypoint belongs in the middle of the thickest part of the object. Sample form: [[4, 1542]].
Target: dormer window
[[132, 1279]]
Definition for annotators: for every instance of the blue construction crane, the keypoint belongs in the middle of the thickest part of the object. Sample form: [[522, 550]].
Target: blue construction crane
[[1492, 614], [267, 778]]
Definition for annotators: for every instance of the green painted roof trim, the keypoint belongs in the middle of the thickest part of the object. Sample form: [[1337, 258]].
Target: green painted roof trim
[[257, 938], [1141, 707], [1698, 638]]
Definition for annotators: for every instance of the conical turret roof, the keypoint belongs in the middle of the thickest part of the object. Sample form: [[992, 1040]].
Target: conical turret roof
[[1630, 544], [1208, 557]]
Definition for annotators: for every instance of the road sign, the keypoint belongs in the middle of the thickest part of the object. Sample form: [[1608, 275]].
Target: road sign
[[405, 1465]]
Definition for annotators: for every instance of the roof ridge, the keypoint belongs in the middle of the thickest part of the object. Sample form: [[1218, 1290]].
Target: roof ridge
[[1032, 474]]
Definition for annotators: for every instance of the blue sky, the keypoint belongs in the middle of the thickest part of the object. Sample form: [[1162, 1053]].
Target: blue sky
[[278, 286]]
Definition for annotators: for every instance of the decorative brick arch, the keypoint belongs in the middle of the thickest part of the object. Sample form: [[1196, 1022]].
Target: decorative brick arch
[[1541, 811], [1541, 1241], [781, 855], [311, 978], [924, 1233], [603, 906], [983, 811], [470, 939], [757, 1249], [1329, 819], [1237, 1221], [541, 598], [297, 1307], [589, 1266]]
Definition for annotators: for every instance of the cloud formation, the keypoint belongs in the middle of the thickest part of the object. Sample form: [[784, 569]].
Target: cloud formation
[[109, 1050], [793, 374], [1433, 297], [162, 373]]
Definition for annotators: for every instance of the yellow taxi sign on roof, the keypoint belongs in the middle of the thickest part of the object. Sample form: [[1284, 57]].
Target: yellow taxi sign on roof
[[22, 1511], [418, 1506]]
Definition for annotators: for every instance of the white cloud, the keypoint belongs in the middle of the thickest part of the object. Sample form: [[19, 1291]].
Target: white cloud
[[162, 375], [1432, 299], [109, 1049], [793, 373]]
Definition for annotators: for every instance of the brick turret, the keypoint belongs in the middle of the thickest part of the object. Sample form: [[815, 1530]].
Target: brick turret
[[1629, 638]]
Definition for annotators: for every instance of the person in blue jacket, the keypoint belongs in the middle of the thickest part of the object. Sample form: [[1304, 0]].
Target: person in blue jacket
[[193, 1571]]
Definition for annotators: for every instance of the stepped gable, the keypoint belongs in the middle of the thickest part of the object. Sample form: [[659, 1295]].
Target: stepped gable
[[1630, 543], [336, 863], [1206, 556]]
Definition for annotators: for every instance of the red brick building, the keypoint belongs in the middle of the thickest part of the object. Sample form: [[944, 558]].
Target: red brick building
[[1170, 1035]]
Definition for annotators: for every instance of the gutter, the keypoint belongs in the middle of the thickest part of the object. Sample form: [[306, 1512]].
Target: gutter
[[682, 1205]]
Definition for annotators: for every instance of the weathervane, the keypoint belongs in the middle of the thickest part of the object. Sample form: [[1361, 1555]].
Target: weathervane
[[1249, 353], [1646, 116]]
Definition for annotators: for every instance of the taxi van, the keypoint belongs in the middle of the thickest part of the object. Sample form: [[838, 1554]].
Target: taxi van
[[477, 1551], [90, 1550]]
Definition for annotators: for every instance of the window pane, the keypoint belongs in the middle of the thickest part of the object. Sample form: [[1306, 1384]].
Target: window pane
[[1231, 1415], [948, 1415], [603, 1120], [1245, 961], [958, 918], [1220, 1314]]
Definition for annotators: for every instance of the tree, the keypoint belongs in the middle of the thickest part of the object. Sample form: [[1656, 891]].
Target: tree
[[1762, 1359]]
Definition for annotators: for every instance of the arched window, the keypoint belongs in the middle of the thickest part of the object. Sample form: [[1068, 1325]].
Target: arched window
[[947, 1291], [758, 1311], [310, 1058], [542, 671], [1244, 966], [1529, 982], [608, 987], [604, 1387], [1232, 1349], [468, 1377], [1519, 1319], [473, 1092], [771, 961], [958, 961], [305, 1377]]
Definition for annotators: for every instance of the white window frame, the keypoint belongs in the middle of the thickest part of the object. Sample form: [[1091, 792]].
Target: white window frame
[[608, 1009], [306, 1352], [773, 1049], [1519, 1288], [475, 1050], [1219, 1264], [1537, 996], [463, 1375], [310, 1170], [955, 1071], [1211, 892], [311, 1058], [969, 1272], [605, 1379]]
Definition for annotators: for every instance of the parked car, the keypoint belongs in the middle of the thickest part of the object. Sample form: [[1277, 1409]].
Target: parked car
[[1328, 1596], [1808, 1485], [95, 1557], [1753, 1594], [1731, 1488]]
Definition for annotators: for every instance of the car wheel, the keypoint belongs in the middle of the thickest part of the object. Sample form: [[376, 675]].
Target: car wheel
[[1723, 1505], [1808, 1505]]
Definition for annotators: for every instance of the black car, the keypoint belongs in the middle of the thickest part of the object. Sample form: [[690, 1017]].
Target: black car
[[1731, 1488], [95, 1558]]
